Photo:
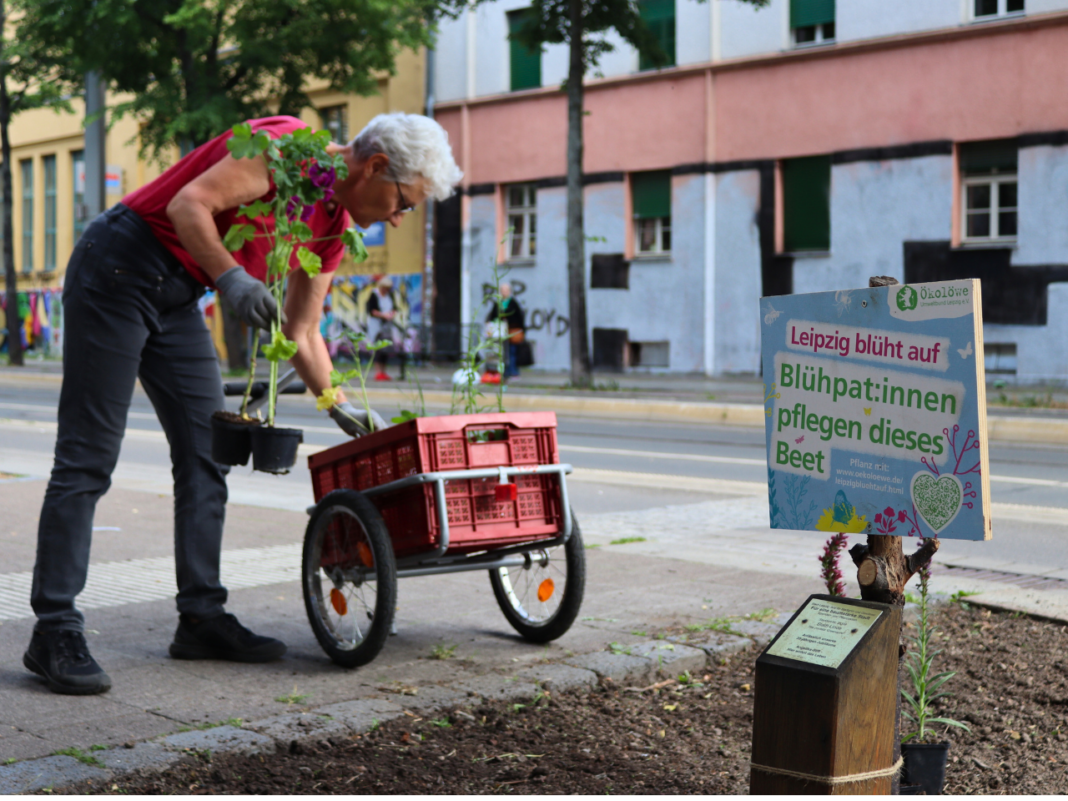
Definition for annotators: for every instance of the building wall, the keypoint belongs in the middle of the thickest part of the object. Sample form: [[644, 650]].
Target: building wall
[[1043, 199], [737, 273]]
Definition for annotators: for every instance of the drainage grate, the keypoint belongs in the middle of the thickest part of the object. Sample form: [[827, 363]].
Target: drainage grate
[[139, 580], [1001, 577]]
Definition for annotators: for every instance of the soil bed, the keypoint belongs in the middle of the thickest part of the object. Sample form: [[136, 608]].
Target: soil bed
[[1012, 688]]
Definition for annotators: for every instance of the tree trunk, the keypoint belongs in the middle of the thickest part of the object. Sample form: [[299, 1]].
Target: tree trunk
[[233, 335], [14, 321], [576, 241]]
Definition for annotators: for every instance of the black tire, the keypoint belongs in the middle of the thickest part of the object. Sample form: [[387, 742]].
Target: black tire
[[345, 528], [536, 620]]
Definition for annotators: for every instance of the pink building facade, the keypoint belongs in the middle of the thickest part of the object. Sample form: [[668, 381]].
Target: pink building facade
[[926, 142]]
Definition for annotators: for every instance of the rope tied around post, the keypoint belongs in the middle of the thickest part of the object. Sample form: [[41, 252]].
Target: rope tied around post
[[832, 780]]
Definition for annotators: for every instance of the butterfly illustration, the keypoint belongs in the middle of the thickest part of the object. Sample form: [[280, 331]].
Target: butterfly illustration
[[772, 315], [965, 352], [843, 509], [842, 301], [867, 410], [800, 439]]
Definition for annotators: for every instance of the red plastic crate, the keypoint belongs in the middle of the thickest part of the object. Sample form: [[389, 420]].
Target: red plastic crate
[[477, 520]]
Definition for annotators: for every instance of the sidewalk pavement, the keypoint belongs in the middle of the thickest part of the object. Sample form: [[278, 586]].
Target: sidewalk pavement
[[698, 564], [1036, 414]]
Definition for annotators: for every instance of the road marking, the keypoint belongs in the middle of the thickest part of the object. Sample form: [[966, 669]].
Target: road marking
[[152, 579], [678, 457]]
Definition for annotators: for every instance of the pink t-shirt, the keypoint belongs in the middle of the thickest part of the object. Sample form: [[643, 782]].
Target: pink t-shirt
[[150, 203]]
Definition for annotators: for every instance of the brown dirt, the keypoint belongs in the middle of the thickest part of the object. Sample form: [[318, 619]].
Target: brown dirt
[[1012, 688], [234, 417]]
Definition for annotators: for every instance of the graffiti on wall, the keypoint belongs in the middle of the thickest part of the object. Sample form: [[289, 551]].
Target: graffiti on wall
[[41, 316], [547, 320], [346, 310]]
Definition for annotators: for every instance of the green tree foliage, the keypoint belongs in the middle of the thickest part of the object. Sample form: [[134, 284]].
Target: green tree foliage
[[29, 79], [194, 68]]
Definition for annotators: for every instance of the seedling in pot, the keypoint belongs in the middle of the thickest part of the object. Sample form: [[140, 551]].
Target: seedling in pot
[[339, 379]]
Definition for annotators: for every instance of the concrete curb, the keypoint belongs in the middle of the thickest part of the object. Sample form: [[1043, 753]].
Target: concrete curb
[[291, 732]]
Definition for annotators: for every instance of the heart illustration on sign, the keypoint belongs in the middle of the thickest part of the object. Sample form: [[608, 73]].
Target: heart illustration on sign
[[938, 500]]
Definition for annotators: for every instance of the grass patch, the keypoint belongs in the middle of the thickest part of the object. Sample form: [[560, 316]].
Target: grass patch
[[441, 723], [443, 652], [626, 540], [81, 756], [293, 698]]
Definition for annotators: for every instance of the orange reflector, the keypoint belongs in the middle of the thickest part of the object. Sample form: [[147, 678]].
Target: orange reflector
[[363, 550], [545, 590], [337, 600]]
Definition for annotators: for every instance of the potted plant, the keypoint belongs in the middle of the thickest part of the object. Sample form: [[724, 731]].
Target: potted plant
[[303, 173], [925, 762]]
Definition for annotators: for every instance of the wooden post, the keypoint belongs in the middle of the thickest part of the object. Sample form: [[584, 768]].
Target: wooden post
[[820, 725]]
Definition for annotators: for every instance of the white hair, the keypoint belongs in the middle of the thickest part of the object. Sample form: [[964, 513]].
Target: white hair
[[417, 148]]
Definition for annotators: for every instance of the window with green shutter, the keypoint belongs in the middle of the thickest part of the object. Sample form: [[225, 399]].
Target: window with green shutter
[[812, 21], [659, 15], [49, 163], [651, 201], [525, 63], [26, 168], [806, 185], [81, 211]]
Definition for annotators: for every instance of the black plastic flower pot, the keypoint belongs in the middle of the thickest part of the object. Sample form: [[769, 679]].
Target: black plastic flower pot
[[925, 768], [274, 450], [231, 438]]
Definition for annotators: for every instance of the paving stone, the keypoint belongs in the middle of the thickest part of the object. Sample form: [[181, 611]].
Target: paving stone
[[498, 688], [671, 658], [560, 678], [300, 726], [361, 716], [432, 698], [760, 633], [617, 667], [32, 775], [143, 756], [716, 644], [221, 740]]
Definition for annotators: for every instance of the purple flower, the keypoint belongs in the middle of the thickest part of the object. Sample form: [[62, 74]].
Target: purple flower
[[306, 213], [322, 177], [293, 207], [327, 194]]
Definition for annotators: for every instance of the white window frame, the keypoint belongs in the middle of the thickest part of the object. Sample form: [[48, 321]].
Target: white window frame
[[994, 182], [1000, 14], [821, 37], [660, 226], [528, 213]]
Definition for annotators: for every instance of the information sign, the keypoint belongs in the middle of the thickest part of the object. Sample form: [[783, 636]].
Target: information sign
[[824, 632], [875, 404]]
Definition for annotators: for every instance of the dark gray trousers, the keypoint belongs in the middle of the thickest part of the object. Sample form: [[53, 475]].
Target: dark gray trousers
[[130, 311]]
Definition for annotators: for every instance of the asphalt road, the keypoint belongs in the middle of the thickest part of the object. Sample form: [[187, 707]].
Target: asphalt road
[[1022, 475]]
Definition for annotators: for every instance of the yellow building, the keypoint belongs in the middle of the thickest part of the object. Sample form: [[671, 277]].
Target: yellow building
[[48, 176]]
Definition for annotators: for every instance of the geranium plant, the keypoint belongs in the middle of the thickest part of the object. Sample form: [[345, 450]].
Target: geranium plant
[[339, 379], [303, 174]]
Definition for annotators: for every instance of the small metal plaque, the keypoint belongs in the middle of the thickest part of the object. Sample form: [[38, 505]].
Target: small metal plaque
[[824, 632]]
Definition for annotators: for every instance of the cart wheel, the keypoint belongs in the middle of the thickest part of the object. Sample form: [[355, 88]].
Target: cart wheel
[[349, 578], [541, 599]]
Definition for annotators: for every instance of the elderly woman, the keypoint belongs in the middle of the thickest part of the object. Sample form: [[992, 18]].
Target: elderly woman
[[130, 301]]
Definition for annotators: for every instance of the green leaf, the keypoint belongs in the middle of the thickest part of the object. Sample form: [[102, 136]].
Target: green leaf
[[301, 231], [280, 348], [238, 235], [337, 378], [353, 240], [382, 343], [309, 262], [251, 211], [405, 416], [950, 722], [243, 145]]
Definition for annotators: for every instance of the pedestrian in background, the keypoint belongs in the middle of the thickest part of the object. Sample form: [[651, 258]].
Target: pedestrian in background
[[384, 306], [511, 313]]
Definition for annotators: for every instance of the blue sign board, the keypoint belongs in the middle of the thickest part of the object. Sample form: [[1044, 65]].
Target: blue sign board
[[374, 235], [875, 403]]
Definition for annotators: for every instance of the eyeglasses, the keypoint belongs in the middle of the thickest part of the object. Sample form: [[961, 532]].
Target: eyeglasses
[[405, 206]]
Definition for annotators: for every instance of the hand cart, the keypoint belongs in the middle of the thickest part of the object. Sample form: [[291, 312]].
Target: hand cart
[[440, 495]]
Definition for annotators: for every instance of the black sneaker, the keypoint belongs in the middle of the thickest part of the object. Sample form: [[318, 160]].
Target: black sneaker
[[62, 659], [222, 637]]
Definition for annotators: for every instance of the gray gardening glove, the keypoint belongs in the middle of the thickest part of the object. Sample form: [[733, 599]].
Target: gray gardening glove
[[250, 298], [353, 421]]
